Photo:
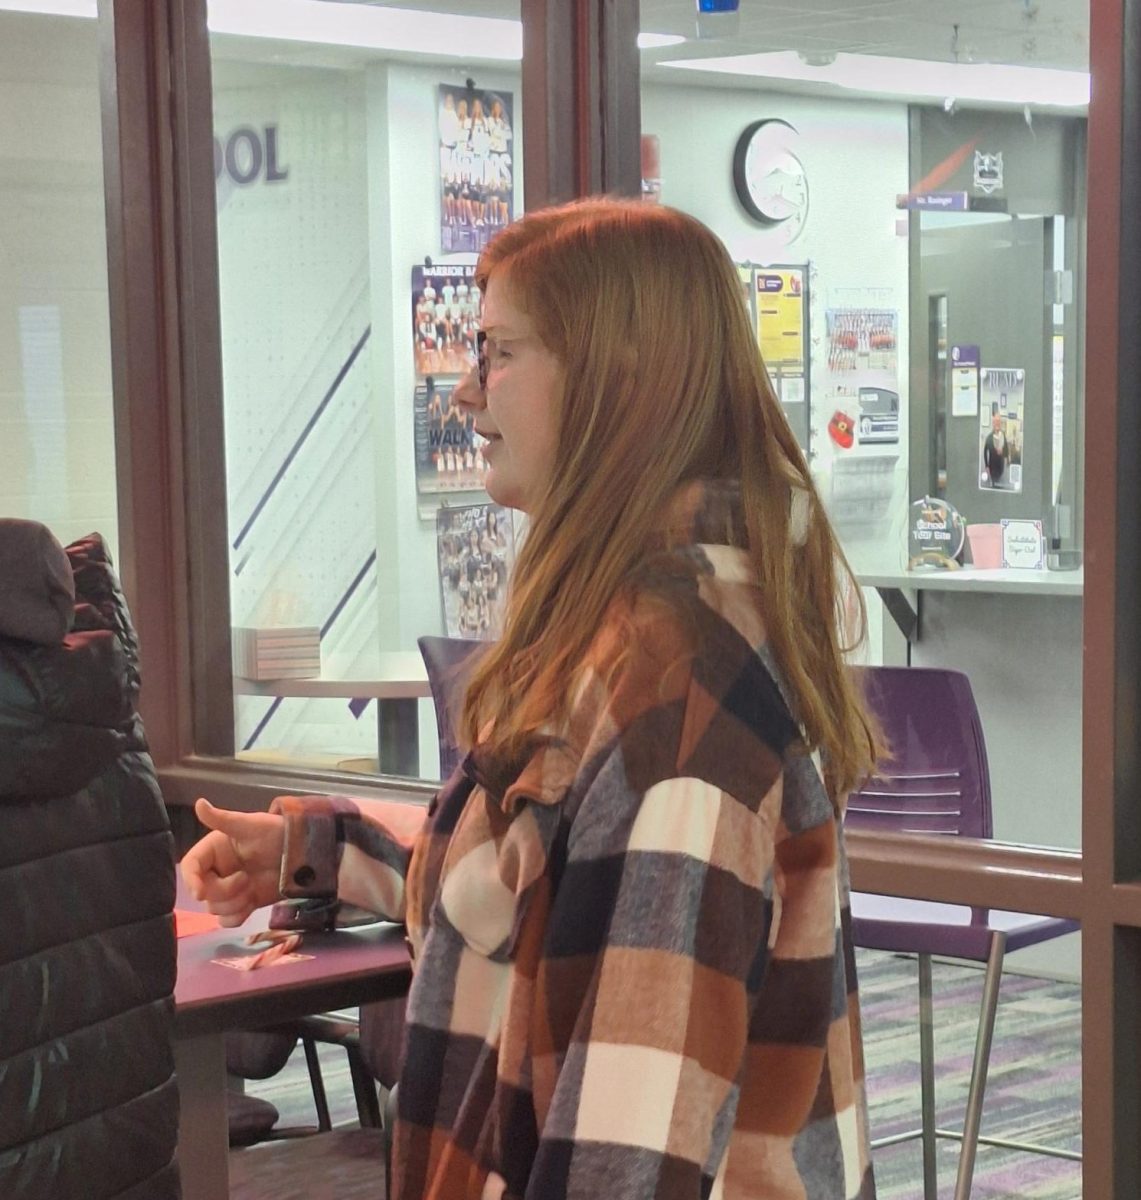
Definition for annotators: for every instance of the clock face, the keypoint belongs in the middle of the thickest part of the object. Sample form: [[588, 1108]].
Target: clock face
[[769, 179]]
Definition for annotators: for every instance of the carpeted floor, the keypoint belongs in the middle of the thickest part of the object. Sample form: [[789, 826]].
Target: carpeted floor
[[1033, 1086], [1033, 1094]]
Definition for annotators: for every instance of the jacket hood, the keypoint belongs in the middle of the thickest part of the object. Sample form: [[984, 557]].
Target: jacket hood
[[37, 592], [68, 703]]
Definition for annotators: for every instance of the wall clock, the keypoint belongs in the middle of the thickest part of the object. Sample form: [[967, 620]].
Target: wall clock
[[770, 181]]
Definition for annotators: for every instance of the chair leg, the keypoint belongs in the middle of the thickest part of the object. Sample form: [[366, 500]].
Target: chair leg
[[389, 1129], [364, 1090], [317, 1082], [927, 1079], [987, 1011]]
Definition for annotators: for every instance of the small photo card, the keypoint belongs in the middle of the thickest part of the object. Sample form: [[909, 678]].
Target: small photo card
[[251, 962], [1022, 544]]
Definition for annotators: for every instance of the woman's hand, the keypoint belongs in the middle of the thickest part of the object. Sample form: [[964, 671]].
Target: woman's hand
[[237, 866]]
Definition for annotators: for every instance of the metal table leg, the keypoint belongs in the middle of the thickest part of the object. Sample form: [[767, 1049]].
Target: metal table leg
[[203, 1131], [398, 724]]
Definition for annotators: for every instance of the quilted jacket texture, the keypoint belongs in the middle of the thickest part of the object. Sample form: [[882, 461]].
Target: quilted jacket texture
[[88, 1100]]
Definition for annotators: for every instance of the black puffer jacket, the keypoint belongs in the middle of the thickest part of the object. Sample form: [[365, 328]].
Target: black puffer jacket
[[88, 1100]]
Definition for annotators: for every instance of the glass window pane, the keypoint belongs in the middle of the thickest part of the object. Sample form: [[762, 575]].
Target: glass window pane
[[903, 185], [57, 452], [905, 193], [363, 154]]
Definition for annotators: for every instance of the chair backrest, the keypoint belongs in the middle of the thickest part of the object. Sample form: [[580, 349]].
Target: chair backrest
[[449, 662], [258, 1053], [934, 778]]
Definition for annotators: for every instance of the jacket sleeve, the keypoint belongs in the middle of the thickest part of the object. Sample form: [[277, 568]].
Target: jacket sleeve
[[657, 929], [355, 850]]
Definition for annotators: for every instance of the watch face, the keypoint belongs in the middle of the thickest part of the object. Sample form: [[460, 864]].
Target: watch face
[[770, 180]]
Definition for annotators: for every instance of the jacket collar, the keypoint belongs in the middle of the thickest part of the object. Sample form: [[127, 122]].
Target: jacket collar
[[705, 512]]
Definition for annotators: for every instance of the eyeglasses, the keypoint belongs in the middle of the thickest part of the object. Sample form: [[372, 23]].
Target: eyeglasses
[[482, 358]]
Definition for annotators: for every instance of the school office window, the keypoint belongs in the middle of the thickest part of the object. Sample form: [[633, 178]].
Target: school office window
[[360, 166], [910, 230], [57, 459]]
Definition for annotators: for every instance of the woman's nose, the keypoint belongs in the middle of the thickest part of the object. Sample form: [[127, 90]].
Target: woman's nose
[[468, 393]]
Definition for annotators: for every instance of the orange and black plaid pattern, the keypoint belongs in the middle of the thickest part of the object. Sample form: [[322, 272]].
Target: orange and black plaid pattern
[[634, 972]]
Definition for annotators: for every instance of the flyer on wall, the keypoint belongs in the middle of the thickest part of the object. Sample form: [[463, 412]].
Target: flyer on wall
[[862, 377], [780, 321], [781, 307], [445, 318], [449, 453], [475, 551], [1001, 406], [475, 129]]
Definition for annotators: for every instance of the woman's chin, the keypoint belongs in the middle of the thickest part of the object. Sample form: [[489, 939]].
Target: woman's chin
[[501, 491]]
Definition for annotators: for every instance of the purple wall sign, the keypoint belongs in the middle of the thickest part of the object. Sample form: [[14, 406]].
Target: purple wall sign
[[935, 201]]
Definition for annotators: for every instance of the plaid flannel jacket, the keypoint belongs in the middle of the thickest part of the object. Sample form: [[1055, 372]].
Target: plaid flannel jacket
[[634, 970]]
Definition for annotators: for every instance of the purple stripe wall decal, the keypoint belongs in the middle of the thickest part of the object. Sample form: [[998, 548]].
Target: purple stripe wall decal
[[309, 426]]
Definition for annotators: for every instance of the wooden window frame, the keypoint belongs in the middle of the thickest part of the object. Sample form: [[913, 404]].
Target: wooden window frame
[[162, 242]]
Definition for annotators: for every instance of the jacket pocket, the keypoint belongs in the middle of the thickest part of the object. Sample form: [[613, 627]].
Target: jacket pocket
[[494, 865]]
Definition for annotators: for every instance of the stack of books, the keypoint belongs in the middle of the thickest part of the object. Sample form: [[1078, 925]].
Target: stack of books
[[283, 653]]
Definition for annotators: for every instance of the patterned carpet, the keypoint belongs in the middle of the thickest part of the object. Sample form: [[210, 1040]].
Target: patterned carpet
[[1033, 1094], [1033, 1086]]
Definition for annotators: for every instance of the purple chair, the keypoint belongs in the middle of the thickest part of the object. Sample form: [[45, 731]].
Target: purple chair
[[934, 780], [449, 662]]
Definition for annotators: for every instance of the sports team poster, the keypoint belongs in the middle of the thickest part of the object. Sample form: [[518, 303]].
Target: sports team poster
[[445, 317], [475, 550], [862, 339], [476, 170], [1002, 399], [449, 452]]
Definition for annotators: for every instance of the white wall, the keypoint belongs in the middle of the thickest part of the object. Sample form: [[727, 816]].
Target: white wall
[[403, 165], [57, 458], [855, 154], [307, 264]]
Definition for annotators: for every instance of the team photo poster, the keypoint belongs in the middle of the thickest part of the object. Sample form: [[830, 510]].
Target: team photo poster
[[476, 166], [445, 317], [475, 548], [449, 452]]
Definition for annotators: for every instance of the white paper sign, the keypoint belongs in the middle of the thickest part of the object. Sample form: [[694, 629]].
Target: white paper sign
[[964, 391], [1022, 544]]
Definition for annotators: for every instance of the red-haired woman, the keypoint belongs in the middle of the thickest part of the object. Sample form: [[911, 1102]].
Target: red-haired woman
[[628, 907]]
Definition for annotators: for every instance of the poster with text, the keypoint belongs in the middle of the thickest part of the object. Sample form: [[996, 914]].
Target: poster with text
[[476, 133], [781, 299], [449, 453], [475, 551], [445, 318], [1002, 400]]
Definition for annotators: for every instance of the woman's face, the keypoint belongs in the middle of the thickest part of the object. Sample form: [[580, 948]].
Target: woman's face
[[519, 413]]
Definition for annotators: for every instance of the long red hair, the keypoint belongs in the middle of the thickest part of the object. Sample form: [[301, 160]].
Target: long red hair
[[664, 384]]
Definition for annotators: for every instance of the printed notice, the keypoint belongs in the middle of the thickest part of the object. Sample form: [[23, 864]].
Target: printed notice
[[1022, 544]]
